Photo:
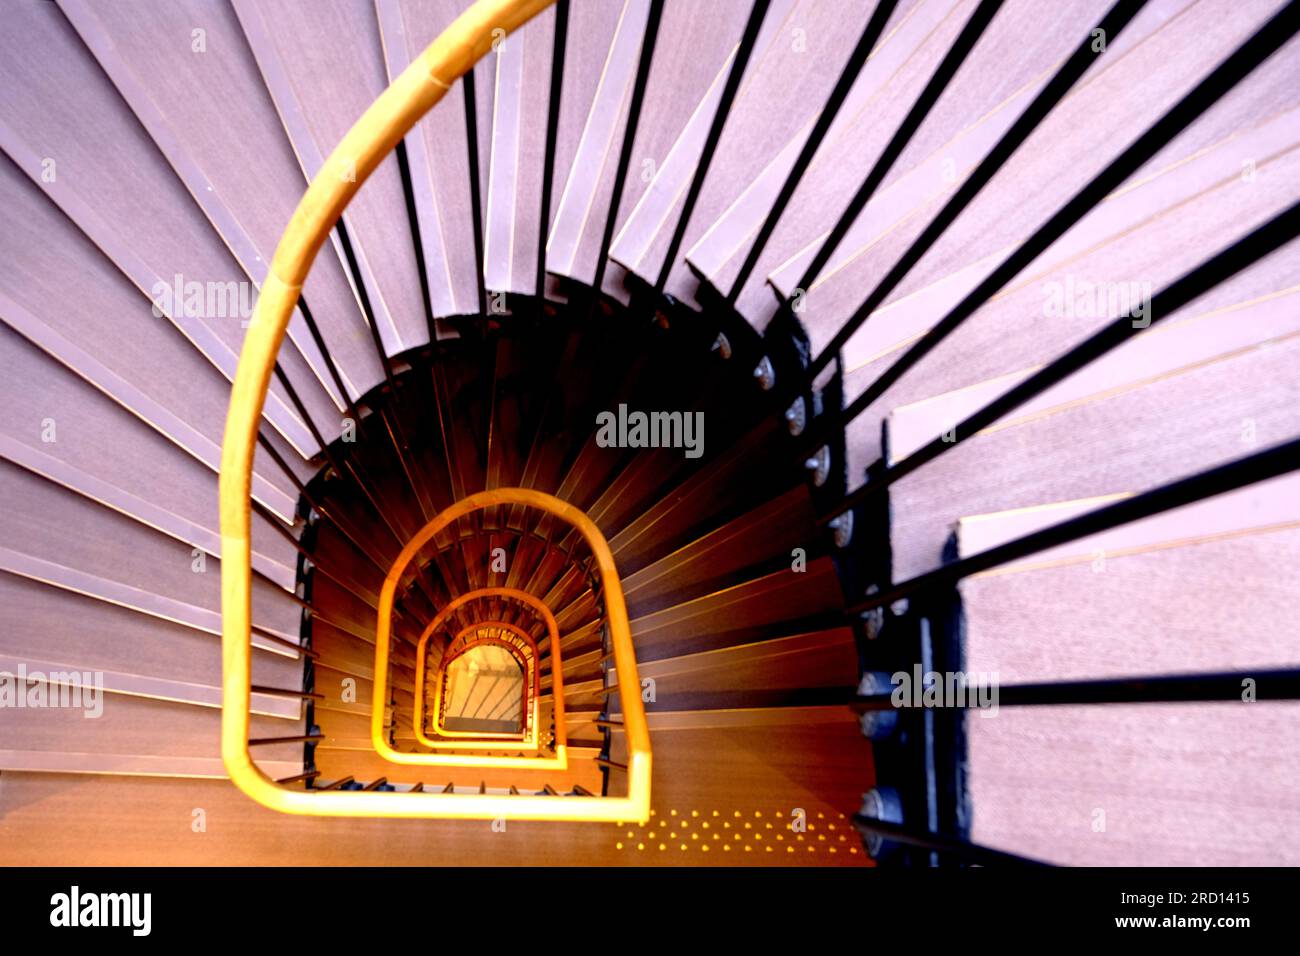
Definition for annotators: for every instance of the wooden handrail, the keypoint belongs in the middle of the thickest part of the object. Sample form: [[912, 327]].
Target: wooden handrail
[[552, 631], [484, 740], [638, 736], [526, 738], [375, 134], [366, 144]]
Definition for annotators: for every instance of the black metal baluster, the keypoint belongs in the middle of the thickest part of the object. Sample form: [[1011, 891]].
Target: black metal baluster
[[629, 138], [413, 217], [874, 28], [1261, 466], [552, 135], [960, 849], [1278, 231], [943, 75], [354, 413], [475, 200], [1209, 91], [391, 423], [1055, 90], [330, 365], [866, 42], [1224, 686], [737, 73]]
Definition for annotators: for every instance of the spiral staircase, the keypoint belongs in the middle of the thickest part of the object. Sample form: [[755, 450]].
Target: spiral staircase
[[683, 375]]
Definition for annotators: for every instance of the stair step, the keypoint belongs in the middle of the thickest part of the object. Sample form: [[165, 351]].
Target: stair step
[[725, 485], [1145, 82], [183, 102], [605, 68], [1113, 442], [96, 303], [365, 765], [97, 450], [1147, 597], [781, 120], [819, 659], [522, 72], [437, 155], [1155, 584], [110, 179], [739, 614], [53, 631], [642, 243], [692, 45], [1092, 786], [345, 652], [299, 48], [1018, 52], [771, 531], [154, 821], [1176, 346], [1134, 234], [125, 737], [73, 543], [1169, 225], [711, 782]]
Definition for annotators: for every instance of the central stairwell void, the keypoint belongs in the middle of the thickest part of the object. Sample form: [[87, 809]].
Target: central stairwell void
[[529, 396]]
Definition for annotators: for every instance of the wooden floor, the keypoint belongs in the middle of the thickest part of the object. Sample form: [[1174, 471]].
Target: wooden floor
[[82, 820]]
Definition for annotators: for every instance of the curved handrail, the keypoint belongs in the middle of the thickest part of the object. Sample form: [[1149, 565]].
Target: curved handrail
[[532, 690], [372, 137], [629, 684], [540, 608], [464, 639], [489, 740]]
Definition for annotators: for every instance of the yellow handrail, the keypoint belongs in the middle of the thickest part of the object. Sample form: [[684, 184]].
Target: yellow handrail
[[375, 134], [552, 632], [629, 685], [532, 695]]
